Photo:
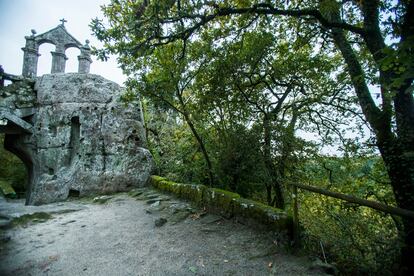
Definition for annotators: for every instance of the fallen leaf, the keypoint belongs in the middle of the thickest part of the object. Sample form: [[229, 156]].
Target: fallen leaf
[[53, 258], [198, 215], [195, 216]]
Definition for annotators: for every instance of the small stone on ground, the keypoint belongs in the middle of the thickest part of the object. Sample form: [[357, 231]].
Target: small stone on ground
[[160, 222]]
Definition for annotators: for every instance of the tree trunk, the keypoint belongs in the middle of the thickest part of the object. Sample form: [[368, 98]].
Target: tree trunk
[[278, 200], [396, 151], [203, 149], [287, 145], [269, 194], [199, 140], [400, 168]]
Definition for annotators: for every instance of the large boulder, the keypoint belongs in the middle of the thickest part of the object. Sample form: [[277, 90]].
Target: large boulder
[[84, 139]]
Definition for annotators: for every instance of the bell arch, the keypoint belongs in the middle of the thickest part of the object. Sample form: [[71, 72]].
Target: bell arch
[[72, 63], [62, 40], [44, 65]]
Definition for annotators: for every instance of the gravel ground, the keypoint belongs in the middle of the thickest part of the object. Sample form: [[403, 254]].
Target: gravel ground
[[140, 233]]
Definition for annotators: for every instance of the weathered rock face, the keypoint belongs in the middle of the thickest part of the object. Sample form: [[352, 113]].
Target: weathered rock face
[[83, 139]]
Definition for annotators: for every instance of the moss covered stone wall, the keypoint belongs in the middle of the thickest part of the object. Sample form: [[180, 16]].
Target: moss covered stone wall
[[228, 203]]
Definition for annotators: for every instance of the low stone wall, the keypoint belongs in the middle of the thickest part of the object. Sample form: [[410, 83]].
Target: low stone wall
[[227, 203]]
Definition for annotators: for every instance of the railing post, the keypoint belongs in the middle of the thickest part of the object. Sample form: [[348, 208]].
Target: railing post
[[296, 230]]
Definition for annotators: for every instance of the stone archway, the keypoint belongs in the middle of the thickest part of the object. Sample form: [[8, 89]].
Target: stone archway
[[12, 143]]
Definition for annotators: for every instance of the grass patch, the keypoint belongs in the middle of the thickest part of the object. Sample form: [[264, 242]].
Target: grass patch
[[6, 189], [27, 219], [102, 199]]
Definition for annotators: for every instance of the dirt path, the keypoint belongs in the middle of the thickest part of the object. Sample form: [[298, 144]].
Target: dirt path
[[145, 233]]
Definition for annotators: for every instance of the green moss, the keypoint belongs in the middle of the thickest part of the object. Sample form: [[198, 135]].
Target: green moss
[[156, 178], [267, 215], [170, 186], [225, 193], [194, 193], [102, 199], [185, 191], [165, 185], [31, 218], [221, 200], [176, 189], [226, 202]]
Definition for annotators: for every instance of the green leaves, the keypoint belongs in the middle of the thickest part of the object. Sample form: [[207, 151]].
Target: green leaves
[[359, 239], [12, 169], [226, 66], [329, 8]]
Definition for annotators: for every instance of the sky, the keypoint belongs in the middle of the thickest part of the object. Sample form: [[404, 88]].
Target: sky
[[19, 17]]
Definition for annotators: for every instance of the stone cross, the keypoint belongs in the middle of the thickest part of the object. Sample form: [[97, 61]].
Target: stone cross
[[63, 20]]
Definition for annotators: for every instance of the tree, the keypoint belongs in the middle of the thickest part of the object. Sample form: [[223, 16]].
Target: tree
[[173, 146], [168, 82], [375, 39], [273, 84]]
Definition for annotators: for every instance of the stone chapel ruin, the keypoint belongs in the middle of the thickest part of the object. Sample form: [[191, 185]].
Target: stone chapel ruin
[[71, 130]]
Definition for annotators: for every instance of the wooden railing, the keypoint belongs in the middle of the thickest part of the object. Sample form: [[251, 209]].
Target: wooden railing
[[352, 199]]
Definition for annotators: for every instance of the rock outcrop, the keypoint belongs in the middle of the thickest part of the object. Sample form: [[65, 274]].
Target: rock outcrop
[[75, 136]]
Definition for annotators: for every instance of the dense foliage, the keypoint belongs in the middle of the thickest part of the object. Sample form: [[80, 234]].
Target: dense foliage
[[247, 95], [358, 239], [12, 170]]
